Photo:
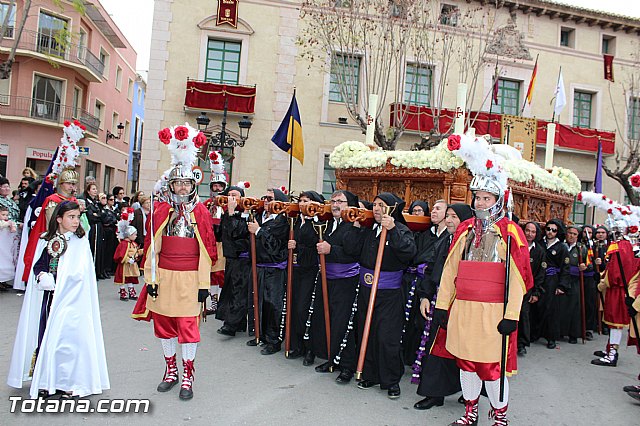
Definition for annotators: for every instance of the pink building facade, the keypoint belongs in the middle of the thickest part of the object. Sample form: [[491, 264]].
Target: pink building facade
[[90, 80]]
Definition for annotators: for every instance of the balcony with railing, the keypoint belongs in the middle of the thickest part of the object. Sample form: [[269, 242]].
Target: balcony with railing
[[17, 107], [77, 56]]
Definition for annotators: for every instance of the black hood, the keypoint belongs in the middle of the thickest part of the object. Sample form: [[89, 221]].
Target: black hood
[[422, 204], [561, 229], [391, 200], [367, 204], [463, 211], [279, 195], [313, 196], [231, 188]]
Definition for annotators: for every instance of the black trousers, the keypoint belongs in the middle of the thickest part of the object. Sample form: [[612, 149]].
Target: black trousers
[[271, 289], [383, 361], [232, 306], [303, 282], [342, 294]]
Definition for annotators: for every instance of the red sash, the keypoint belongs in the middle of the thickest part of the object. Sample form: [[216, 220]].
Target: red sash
[[480, 281], [179, 254]]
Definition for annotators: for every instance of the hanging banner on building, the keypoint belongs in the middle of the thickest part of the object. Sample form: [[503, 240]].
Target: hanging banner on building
[[522, 135], [228, 13], [608, 67]]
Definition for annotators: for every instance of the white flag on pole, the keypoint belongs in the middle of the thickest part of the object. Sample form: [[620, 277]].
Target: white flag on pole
[[561, 96]]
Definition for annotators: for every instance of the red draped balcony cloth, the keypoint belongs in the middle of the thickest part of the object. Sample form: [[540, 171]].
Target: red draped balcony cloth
[[211, 96]]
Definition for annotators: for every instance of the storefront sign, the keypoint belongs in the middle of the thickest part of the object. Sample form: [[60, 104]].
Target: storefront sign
[[83, 150], [40, 154], [228, 13]]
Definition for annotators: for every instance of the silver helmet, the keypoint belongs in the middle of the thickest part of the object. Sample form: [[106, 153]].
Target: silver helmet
[[491, 185], [182, 172]]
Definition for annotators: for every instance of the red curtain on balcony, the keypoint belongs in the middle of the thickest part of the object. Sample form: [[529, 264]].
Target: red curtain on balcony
[[211, 96], [420, 119]]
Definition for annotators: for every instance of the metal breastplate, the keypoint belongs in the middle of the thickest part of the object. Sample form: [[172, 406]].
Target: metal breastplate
[[487, 251], [180, 224]]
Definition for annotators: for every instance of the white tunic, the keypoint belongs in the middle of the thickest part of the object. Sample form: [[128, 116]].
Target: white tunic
[[72, 356]]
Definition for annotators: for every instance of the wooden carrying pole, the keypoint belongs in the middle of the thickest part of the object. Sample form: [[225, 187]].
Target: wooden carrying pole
[[325, 291], [254, 277], [582, 307], [287, 327], [372, 300]]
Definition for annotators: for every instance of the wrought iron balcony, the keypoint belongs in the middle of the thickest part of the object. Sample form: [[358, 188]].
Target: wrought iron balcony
[[40, 109], [37, 42]]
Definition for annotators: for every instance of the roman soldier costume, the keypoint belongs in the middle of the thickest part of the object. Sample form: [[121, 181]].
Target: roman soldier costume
[[126, 257], [180, 248], [62, 171], [472, 287]]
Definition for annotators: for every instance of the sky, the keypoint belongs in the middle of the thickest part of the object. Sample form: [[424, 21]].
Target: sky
[[134, 18]]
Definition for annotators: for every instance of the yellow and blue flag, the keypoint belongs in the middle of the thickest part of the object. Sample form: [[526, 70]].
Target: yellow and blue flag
[[288, 137]]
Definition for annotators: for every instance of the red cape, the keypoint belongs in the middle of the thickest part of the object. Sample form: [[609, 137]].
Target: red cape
[[38, 229], [161, 216]]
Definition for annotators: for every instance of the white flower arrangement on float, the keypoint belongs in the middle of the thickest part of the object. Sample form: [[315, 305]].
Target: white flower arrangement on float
[[357, 155]]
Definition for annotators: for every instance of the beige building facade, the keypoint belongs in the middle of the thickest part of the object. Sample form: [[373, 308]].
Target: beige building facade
[[262, 51]]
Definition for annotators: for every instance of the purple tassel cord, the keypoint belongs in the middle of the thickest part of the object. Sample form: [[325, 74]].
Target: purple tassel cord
[[407, 307], [422, 349], [307, 324], [343, 344]]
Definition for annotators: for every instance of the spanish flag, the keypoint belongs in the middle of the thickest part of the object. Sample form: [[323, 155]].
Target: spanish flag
[[613, 247], [288, 137], [532, 82]]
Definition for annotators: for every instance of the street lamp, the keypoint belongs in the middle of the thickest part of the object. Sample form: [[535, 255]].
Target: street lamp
[[222, 139], [114, 136]]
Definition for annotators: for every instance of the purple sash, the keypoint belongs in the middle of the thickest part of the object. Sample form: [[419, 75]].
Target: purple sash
[[388, 280], [281, 265], [417, 270], [243, 255], [574, 271], [336, 271], [552, 270]]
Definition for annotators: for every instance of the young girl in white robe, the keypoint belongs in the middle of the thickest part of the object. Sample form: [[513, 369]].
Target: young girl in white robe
[[59, 344]]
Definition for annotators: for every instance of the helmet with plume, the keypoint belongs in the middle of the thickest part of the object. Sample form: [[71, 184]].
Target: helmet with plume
[[63, 170], [125, 230]]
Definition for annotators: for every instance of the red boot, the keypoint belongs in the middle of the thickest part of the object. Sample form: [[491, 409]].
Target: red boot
[[123, 294], [470, 414], [132, 294], [186, 391], [170, 375], [499, 416]]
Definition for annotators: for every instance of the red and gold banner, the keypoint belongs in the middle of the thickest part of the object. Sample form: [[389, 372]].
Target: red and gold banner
[[211, 96], [608, 67], [228, 13]]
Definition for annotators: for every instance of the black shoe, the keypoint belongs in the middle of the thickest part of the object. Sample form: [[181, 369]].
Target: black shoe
[[589, 336], [632, 388], [211, 312], [551, 344], [634, 395], [309, 359], [606, 361], [294, 354], [461, 400], [270, 349], [325, 367], [573, 340], [252, 342], [522, 351], [394, 391], [186, 394], [429, 402], [366, 384], [225, 330], [166, 386], [600, 354], [344, 377]]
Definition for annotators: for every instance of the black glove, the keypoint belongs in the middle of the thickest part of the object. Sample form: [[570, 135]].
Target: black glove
[[632, 311], [507, 326], [628, 300], [440, 318], [152, 290], [202, 295]]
